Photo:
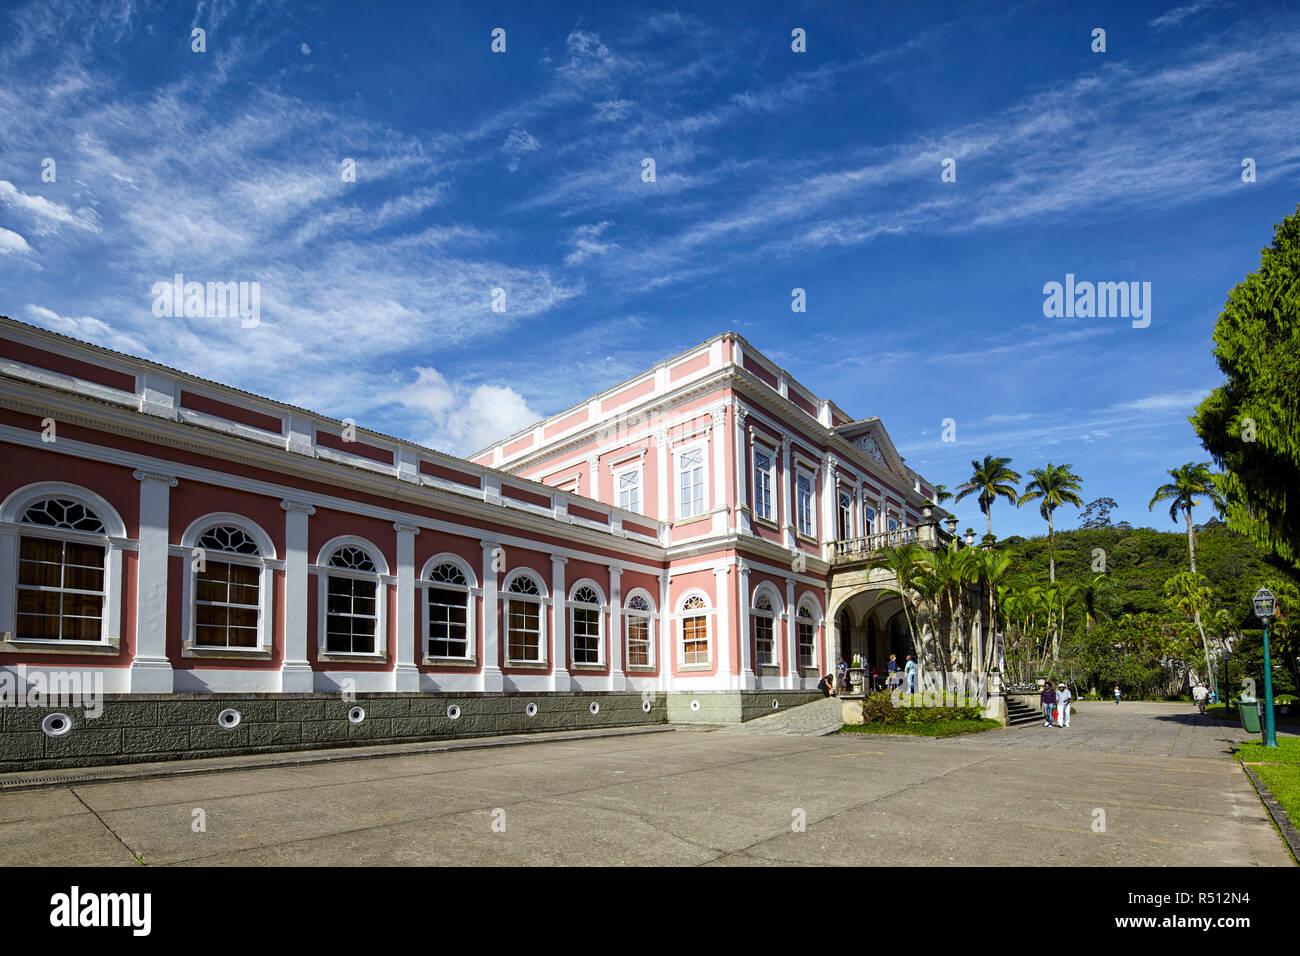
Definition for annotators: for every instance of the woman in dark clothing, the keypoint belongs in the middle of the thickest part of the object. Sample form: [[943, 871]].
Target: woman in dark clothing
[[1048, 697]]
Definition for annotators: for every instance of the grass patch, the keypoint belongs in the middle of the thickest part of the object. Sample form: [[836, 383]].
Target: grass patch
[[1287, 751], [1285, 784], [1226, 712], [942, 728]]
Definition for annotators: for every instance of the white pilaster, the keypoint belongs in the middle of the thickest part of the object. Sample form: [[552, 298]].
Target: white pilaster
[[559, 626], [295, 671], [406, 676], [743, 494], [666, 635], [829, 503], [662, 454], [794, 677], [151, 671], [747, 678], [723, 637], [617, 678], [788, 496], [718, 439], [593, 477], [492, 676]]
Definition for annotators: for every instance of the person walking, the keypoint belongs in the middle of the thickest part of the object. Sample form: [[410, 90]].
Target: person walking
[[1063, 698], [841, 675], [1117, 695], [1200, 695], [892, 670], [1048, 698], [910, 668]]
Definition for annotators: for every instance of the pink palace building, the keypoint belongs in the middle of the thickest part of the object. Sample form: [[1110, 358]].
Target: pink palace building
[[700, 527]]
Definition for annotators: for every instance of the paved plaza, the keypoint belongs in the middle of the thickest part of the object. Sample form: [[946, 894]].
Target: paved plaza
[[1160, 774]]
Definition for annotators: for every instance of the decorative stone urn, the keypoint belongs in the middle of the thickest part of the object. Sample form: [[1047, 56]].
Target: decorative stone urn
[[857, 678]]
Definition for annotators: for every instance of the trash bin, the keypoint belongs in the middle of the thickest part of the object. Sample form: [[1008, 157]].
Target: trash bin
[[1248, 709]]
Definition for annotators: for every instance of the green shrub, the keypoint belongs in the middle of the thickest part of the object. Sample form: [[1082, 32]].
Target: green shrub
[[879, 709]]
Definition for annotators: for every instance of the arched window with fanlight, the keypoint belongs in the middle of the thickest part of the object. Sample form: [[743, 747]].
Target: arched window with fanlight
[[638, 617], [61, 576], [523, 596], [351, 603], [764, 617], [693, 614], [586, 625], [60, 569], [227, 588], [447, 598], [806, 627]]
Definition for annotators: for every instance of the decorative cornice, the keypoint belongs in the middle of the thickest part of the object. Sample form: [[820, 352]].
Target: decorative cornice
[[289, 505], [401, 527]]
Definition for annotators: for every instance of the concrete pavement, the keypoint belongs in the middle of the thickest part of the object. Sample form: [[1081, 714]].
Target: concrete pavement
[[687, 798]]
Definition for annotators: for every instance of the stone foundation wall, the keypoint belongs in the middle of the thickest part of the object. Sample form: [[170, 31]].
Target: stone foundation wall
[[140, 728], [733, 707]]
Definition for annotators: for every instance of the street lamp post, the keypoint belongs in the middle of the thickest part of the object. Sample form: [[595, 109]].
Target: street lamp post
[[1264, 603]]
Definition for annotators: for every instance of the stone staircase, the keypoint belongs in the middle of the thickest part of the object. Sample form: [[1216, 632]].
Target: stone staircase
[[1019, 714]]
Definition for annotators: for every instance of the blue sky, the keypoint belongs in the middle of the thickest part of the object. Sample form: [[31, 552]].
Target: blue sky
[[774, 170]]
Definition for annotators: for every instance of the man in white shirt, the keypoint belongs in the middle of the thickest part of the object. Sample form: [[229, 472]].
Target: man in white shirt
[[1200, 694], [1063, 697]]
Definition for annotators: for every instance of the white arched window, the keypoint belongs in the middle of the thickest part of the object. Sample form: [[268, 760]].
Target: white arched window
[[638, 617], [806, 626], [586, 624], [763, 614], [693, 614], [60, 548], [227, 589], [449, 605], [352, 604], [523, 595]]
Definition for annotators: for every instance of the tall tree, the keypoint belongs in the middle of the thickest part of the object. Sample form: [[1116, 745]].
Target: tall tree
[[1055, 486], [941, 494], [1097, 514], [1189, 594], [990, 480], [1190, 482], [904, 563], [1249, 424]]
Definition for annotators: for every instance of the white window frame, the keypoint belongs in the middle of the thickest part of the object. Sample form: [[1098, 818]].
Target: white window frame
[[678, 454], [810, 603], [768, 475], [113, 542], [868, 519], [802, 474], [774, 615], [706, 612], [843, 513], [601, 608], [322, 571], [639, 488], [266, 563], [651, 618], [505, 596], [473, 592]]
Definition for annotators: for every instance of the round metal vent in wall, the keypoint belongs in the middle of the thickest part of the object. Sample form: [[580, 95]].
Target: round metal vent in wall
[[645, 706], [695, 705], [56, 725], [775, 703], [229, 718], [594, 707], [531, 710], [356, 715], [453, 712]]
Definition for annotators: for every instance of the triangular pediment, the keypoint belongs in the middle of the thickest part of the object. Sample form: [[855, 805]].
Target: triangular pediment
[[868, 436]]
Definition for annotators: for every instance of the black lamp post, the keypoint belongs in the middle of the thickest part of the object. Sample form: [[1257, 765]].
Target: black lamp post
[[1265, 602]]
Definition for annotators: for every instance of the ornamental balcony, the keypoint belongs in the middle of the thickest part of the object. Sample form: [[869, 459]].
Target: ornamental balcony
[[860, 550]]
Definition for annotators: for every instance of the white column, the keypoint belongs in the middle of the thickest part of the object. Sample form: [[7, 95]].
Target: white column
[[666, 636], [559, 620], [662, 454], [492, 677], [722, 639], [295, 672], [406, 676], [718, 438], [617, 678], [747, 678], [743, 496], [151, 671], [795, 676], [788, 496], [828, 499], [593, 477]]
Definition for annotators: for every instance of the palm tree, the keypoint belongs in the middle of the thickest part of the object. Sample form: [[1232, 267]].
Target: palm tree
[[904, 562], [1188, 594], [992, 479], [1056, 485], [941, 494], [994, 568], [1190, 482]]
